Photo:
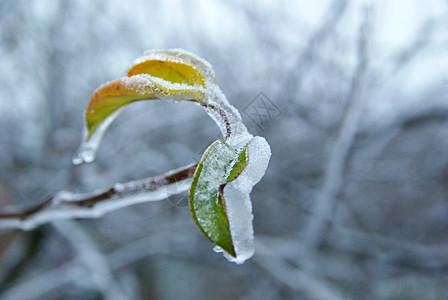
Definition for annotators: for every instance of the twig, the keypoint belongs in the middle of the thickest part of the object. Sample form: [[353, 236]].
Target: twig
[[389, 250], [294, 278], [67, 205], [33, 287], [334, 174], [355, 243], [95, 262], [421, 41], [223, 115], [306, 60]]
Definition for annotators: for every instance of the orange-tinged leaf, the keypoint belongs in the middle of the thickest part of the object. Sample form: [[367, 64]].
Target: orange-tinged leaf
[[111, 96], [107, 99], [169, 68], [171, 74]]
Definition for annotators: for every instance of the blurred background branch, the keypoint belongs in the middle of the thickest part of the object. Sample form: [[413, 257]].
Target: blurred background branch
[[333, 178], [354, 203]]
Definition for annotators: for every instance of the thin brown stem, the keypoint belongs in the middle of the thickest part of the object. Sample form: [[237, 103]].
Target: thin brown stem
[[89, 200], [223, 115]]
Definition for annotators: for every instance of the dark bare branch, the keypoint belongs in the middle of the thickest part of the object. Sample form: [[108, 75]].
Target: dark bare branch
[[64, 205]]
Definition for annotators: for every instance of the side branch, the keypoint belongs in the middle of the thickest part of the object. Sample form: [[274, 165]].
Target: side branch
[[67, 205]]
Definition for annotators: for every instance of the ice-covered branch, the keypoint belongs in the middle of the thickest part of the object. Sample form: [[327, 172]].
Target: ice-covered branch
[[67, 205]]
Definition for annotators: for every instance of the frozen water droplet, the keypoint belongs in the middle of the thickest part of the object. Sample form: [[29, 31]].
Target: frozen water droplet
[[87, 150], [83, 155], [217, 249]]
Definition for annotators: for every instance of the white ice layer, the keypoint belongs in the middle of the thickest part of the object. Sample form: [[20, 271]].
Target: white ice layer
[[238, 204], [215, 103], [87, 150], [229, 121], [226, 117], [201, 63], [127, 195]]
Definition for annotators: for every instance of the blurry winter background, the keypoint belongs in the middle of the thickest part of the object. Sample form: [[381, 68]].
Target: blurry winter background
[[351, 95]]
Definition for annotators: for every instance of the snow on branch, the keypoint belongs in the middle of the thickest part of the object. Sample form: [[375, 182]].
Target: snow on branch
[[67, 205]]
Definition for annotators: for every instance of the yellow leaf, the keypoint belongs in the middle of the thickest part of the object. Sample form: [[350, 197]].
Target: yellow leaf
[[169, 68], [153, 76], [203, 65], [107, 99]]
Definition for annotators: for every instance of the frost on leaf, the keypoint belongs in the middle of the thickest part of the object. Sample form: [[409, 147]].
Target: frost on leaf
[[220, 191], [221, 163], [237, 198], [155, 75], [220, 195]]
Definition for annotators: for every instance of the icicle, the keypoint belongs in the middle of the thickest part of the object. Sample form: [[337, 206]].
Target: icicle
[[87, 150]]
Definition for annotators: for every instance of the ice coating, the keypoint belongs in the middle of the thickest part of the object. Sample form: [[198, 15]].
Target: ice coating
[[238, 204], [206, 206], [139, 83], [129, 193], [87, 150], [238, 207], [202, 64], [229, 120], [211, 99]]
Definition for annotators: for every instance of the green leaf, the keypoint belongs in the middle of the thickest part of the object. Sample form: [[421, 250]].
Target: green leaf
[[238, 167], [220, 163]]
